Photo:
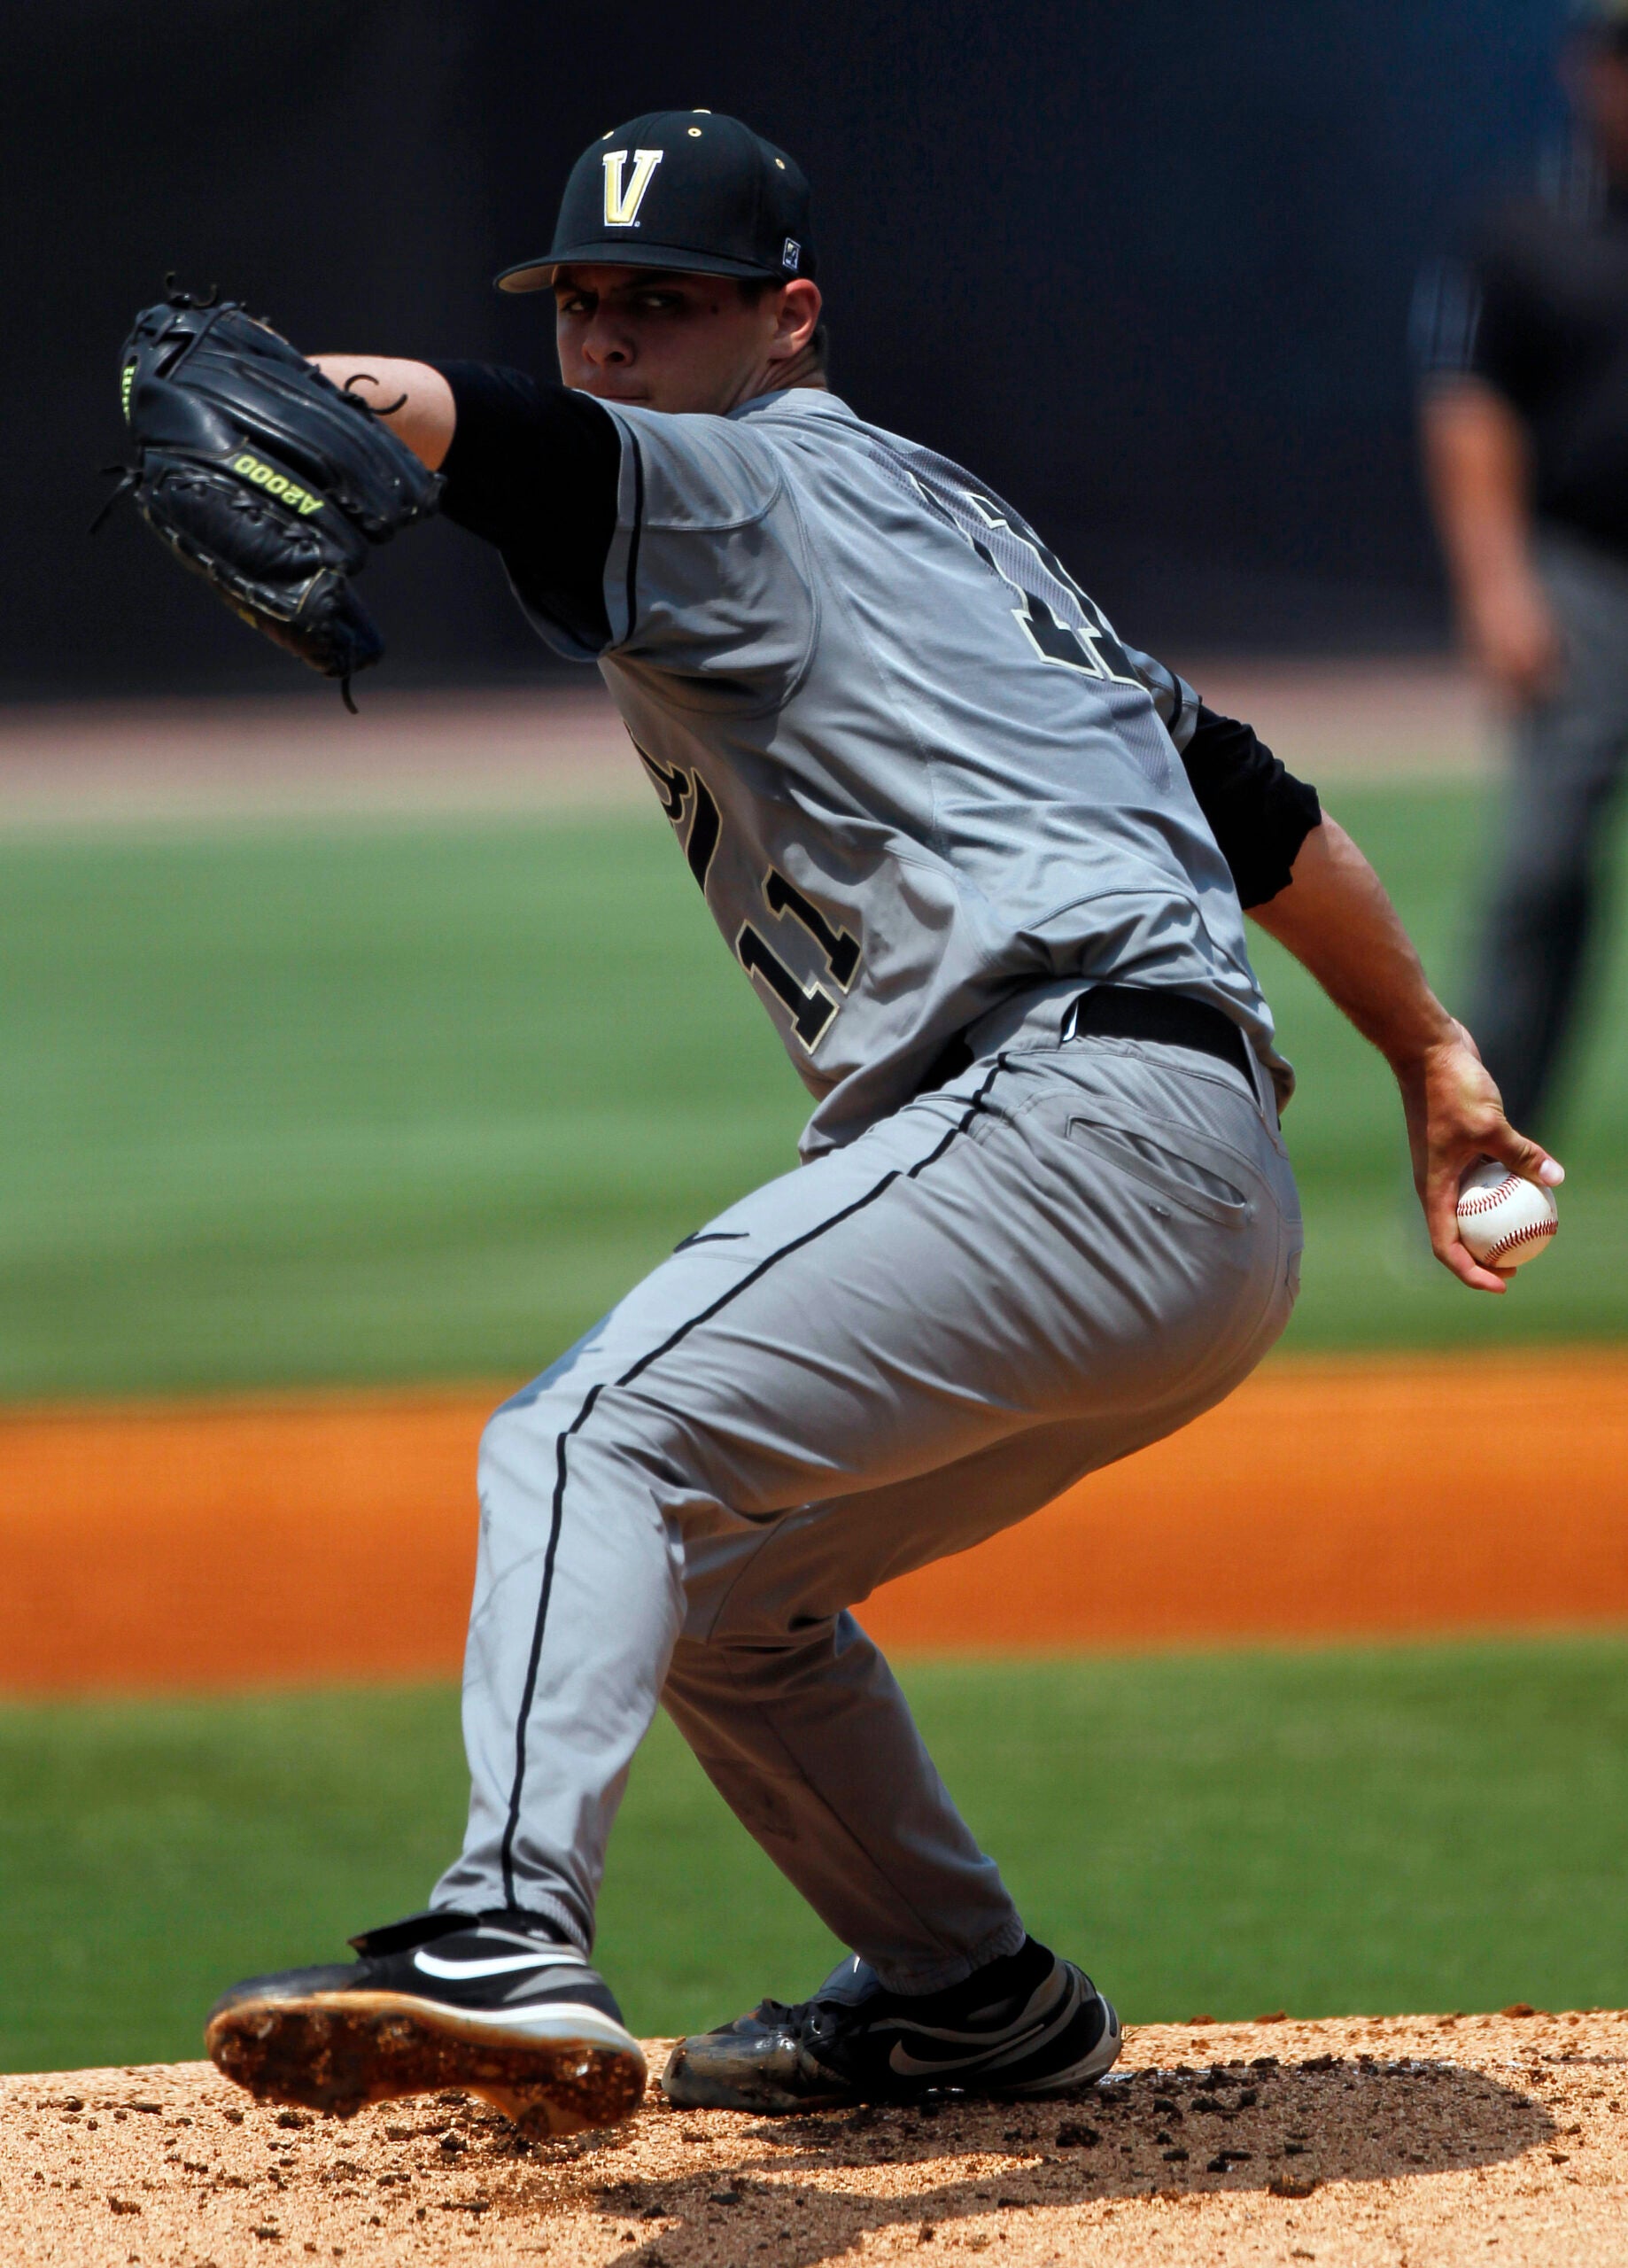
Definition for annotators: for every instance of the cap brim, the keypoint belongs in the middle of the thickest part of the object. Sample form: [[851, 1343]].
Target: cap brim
[[617, 251]]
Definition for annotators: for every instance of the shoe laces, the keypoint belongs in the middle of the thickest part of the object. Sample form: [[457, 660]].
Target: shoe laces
[[810, 2024], [803, 2021]]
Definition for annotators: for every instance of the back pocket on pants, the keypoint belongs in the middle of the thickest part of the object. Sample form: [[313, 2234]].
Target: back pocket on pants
[[1196, 1187]]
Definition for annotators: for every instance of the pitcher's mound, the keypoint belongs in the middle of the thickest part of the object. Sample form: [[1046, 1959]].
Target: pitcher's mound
[[1496, 2140]]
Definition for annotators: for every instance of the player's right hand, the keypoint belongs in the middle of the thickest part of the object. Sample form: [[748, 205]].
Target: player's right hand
[[1455, 1116]]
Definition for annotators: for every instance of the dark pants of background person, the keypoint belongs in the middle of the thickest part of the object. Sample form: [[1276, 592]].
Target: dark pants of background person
[[1568, 757]]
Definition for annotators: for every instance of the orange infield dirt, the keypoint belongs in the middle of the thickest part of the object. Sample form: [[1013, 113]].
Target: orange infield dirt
[[311, 1538], [1402, 2143]]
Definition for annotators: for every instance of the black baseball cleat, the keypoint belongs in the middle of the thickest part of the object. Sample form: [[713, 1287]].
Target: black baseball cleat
[[1029, 2024], [489, 2003]]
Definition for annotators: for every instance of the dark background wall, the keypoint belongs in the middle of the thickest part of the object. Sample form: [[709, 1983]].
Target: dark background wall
[[1146, 267]]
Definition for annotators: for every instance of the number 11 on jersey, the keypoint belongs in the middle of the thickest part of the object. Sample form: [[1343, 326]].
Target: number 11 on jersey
[[812, 1008], [688, 803]]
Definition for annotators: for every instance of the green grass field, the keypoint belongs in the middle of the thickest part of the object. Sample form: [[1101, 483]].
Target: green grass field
[[385, 1102], [1377, 1830], [388, 1102]]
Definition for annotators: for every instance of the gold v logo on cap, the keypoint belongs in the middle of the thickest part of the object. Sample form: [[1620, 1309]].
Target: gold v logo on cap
[[622, 200]]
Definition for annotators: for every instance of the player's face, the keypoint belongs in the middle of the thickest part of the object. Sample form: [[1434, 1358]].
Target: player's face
[[670, 342]]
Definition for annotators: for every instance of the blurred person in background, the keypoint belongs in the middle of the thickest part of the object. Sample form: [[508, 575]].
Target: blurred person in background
[[1521, 335]]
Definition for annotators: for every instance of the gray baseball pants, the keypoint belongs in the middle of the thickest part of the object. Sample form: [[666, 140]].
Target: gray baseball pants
[[1070, 1250], [1568, 755]]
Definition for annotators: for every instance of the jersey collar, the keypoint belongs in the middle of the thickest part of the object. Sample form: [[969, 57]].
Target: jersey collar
[[796, 402]]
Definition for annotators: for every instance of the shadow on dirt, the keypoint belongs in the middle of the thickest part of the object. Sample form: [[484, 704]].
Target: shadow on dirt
[[1283, 2128]]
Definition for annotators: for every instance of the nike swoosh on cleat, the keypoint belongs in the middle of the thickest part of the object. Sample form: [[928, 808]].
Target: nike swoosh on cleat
[[545, 2019], [908, 2067], [1027, 2026], [507, 1964]]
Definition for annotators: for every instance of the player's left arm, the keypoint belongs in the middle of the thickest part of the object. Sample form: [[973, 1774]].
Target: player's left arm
[[529, 466], [413, 399], [1333, 915]]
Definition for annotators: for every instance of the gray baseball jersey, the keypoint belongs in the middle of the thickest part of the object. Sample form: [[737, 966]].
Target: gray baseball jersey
[[911, 765], [928, 795]]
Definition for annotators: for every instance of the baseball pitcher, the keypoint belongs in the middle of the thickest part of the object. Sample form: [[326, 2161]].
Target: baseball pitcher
[[984, 865]]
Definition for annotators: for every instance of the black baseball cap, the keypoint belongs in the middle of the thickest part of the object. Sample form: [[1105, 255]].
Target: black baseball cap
[[681, 188]]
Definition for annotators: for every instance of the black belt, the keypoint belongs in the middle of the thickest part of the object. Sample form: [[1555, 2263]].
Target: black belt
[[1138, 1012], [1125, 1012]]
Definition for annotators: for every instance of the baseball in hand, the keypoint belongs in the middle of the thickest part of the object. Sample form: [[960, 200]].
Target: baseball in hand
[[1503, 1220]]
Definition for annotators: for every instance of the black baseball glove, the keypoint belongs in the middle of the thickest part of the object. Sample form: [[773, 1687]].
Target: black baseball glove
[[265, 477]]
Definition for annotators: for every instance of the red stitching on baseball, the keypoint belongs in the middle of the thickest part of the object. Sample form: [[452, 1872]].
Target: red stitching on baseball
[[1539, 1229], [1482, 1200]]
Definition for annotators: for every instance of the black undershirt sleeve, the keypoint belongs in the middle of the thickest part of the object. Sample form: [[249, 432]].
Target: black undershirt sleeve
[[1259, 813], [533, 468]]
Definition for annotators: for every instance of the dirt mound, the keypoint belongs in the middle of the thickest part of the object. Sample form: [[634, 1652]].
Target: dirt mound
[[1422, 2140]]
